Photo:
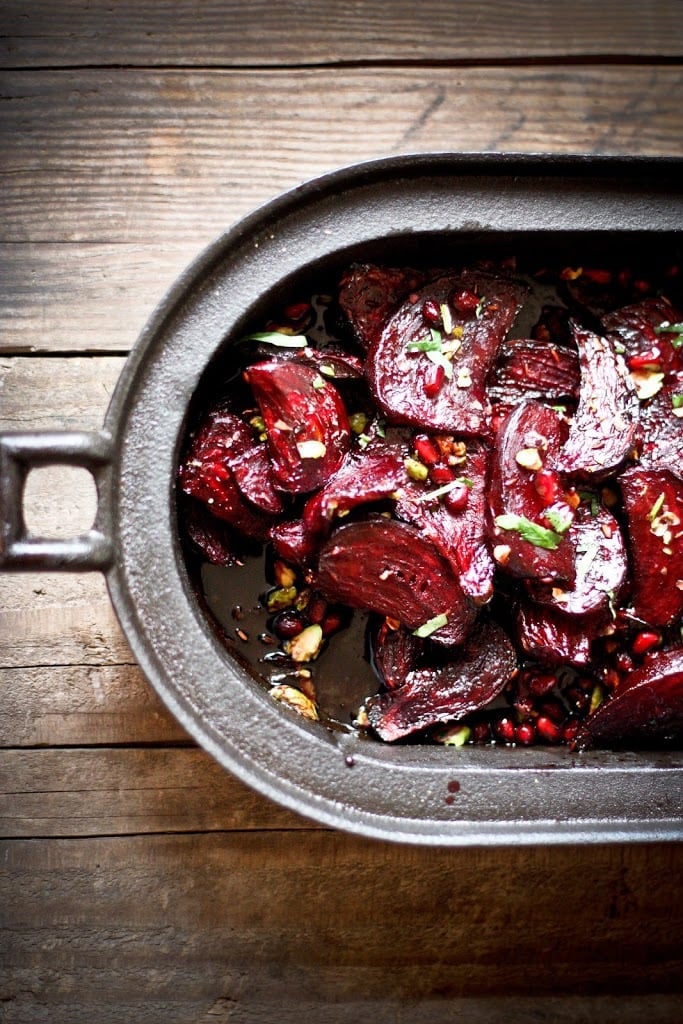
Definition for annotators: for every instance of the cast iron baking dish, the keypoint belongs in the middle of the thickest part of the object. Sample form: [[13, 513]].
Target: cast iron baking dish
[[390, 210]]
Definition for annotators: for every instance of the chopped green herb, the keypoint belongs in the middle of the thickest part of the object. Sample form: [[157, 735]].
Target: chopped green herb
[[431, 626], [381, 428], [677, 401], [529, 531], [656, 508], [619, 348], [667, 328], [595, 504], [447, 487], [431, 344], [363, 441], [279, 339], [559, 521], [480, 307]]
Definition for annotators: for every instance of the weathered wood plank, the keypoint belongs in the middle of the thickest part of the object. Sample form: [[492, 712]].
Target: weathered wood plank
[[128, 156], [261, 926], [123, 791], [318, 32], [82, 705]]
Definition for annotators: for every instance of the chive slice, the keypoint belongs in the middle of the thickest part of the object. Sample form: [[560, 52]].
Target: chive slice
[[531, 532], [559, 523], [656, 508], [279, 339], [431, 625], [447, 487]]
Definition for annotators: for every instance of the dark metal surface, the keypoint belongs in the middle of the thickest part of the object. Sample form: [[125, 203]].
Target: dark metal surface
[[391, 210]]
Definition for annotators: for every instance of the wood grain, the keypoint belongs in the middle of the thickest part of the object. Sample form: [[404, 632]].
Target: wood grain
[[227, 32], [261, 926]]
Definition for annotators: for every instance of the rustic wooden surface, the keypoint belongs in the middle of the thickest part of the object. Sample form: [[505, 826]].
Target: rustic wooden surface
[[138, 882]]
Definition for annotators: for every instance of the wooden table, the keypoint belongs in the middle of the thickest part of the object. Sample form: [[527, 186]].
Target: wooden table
[[139, 881]]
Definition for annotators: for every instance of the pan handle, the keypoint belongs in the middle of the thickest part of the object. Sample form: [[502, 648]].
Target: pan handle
[[21, 452]]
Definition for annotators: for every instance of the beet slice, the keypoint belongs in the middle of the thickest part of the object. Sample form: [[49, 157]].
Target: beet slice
[[647, 705], [368, 295], [603, 430], [394, 652], [556, 639], [410, 387], [661, 426], [388, 567], [210, 536], [635, 324], [222, 449], [653, 502], [364, 477], [523, 496], [429, 696], [306, 423], [460, 536], [600, 560], [531, 368]]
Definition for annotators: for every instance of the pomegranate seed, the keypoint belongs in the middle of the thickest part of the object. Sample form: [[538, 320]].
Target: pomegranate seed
[[297, 311], [645, 641], [431, 312], [456, 499], [578, 699], [332, 623], [547, 486], [465, 301], [441, 475], [317, 607], [570, 729], [541, 683], [504, 729], [548, 730], [598, 276], [288, 624], [650, 359], [623, 662], [481, 732], [433, 379], [525, 733], [426, 450]]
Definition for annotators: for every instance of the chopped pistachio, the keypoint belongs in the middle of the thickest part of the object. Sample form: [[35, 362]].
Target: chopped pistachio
[[529, 458], [311, 449], [281, 597], [464, 378], [285, 576], [318, 382], [306, 645], [415, 469], [358, 421], [647, 383], [454, 736], [296, 700]]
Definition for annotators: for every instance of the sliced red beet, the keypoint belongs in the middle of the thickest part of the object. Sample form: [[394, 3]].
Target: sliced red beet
[[306, 423], [461, 535], [653, 501], [635, 324], [476, 674], [222, 444], [661, 426], [388, 567], [519, 497], [368, 295], [647, 705], [531, 368], [603, 430], [364, 477], [600, 560], [556, 639], [404, 378], [394, 653], [293, 542], [210, 536]]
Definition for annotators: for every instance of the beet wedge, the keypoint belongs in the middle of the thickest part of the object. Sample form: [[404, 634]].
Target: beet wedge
[[521, 493], [531, 368], [229, 472], [394, 653], [461, 536], [637, 328], [388, 567], [556, 639], [601, 564], [307, 426], [368, 295], [653, 501], [476, 674], [603, 430], [646, 706], [430, 364], [661, 426]]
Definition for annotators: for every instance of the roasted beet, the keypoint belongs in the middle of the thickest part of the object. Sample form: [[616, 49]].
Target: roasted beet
[[210, 536], [521, 493], [394, 652], [459, 533], [531, 368], [603, 430], [653, 502], [228, 470], [636, 327], [661, 426], [647, 705], [600, 564], [306, 423], [388, 567], [368, 295], [556, 639], [474, 675], [433, 375]]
